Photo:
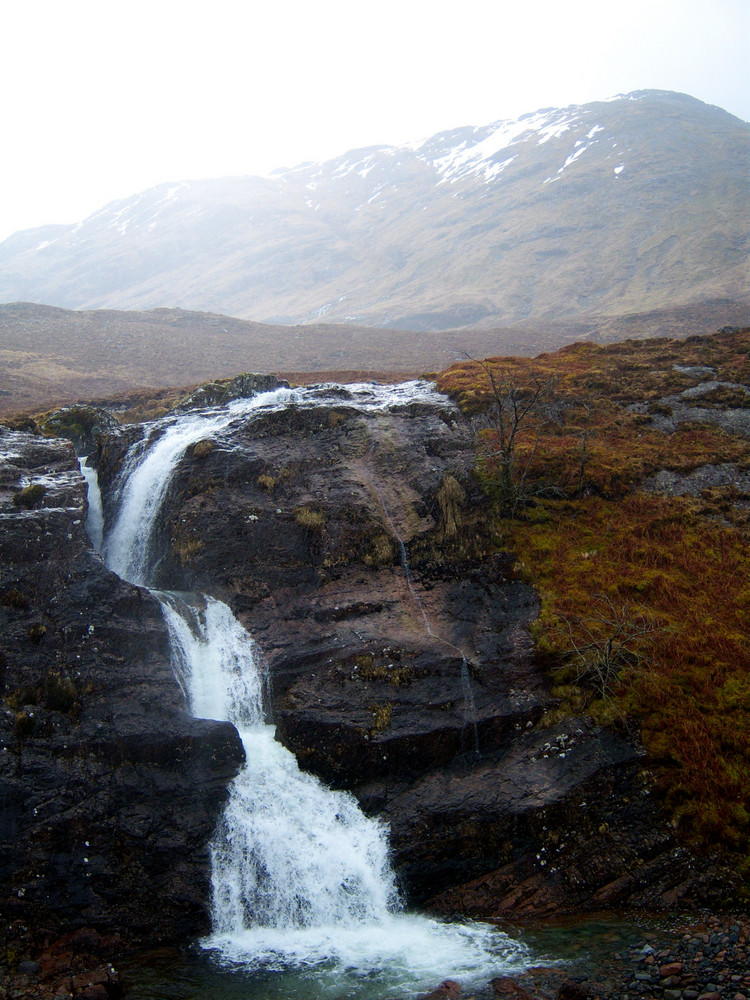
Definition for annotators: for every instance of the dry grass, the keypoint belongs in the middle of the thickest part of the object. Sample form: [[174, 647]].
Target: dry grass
[[52, 356], [682, 563], [627, 372], [692, 694]]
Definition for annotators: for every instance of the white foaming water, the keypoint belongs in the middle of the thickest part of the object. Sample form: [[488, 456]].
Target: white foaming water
[[403, 951], [291, 854], [147, 470], [216, 661], [301, 877], [94, 515], [149, 464]]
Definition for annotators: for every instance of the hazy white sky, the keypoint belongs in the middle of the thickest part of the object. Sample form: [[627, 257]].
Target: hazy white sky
[[103, 99]]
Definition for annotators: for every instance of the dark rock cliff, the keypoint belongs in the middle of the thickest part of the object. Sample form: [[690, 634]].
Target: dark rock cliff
[[109, 790], [355, 548]]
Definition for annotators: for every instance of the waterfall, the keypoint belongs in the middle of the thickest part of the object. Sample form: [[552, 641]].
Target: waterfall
[[217, 663], [288, 852], [146, 474], [148, 465], [94, 514], [470, 709], [301, 877]]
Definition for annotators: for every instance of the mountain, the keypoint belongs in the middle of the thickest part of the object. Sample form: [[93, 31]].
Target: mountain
[[628, 205]]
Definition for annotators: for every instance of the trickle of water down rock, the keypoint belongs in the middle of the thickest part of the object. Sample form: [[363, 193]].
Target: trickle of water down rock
[[301, 877]]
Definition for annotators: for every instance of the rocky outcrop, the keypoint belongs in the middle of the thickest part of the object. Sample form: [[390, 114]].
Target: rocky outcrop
[[82, 424], [109, 789], [354, 546], [225, 390]]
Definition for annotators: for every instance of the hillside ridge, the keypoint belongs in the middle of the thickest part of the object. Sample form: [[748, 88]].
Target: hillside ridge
[[51, 356], [627, 205]]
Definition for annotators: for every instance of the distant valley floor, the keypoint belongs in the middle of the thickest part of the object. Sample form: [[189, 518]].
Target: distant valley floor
[[50, 356]]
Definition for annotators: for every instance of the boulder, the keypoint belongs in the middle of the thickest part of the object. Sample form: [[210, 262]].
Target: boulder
[[80, 423]]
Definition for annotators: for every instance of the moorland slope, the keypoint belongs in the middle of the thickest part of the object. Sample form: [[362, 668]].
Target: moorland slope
[[50, 356]]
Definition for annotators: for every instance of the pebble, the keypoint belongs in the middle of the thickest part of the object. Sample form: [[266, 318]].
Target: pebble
[[29, 968], [706, 961]]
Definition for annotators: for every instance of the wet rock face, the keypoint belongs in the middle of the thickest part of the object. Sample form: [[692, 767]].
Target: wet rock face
[[81, 424], [109, 790], [354, 547], [241, 387], [430, 671]]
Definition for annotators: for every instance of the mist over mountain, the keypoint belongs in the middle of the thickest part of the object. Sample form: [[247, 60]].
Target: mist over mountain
[[628, 205]]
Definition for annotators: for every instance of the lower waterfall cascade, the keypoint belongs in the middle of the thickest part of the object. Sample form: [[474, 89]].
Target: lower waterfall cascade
[[301, 878]]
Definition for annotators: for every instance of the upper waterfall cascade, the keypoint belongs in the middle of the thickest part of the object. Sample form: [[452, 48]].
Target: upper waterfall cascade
[[149, 463], [301, 877]]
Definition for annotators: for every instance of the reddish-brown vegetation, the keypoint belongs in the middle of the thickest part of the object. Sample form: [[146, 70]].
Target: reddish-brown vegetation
[[592, 534]]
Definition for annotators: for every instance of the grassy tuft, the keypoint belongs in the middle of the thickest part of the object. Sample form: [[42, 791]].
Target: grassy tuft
[[29, 496], [202, 449], [382, 715], [311, 520]]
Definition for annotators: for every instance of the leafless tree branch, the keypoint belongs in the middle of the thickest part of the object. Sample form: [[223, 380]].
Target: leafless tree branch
[[608, 641]]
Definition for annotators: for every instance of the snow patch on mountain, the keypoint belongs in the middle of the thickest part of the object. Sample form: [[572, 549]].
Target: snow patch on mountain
[[636, 95], [580, 149], [326, 308], [554, 129], [468, 158], [120, 220], [132, 215], [484, 152], [457, 155], [481, 157], [172, 195]]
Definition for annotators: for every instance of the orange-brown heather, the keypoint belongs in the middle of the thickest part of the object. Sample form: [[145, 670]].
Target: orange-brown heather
[[587, 535]]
